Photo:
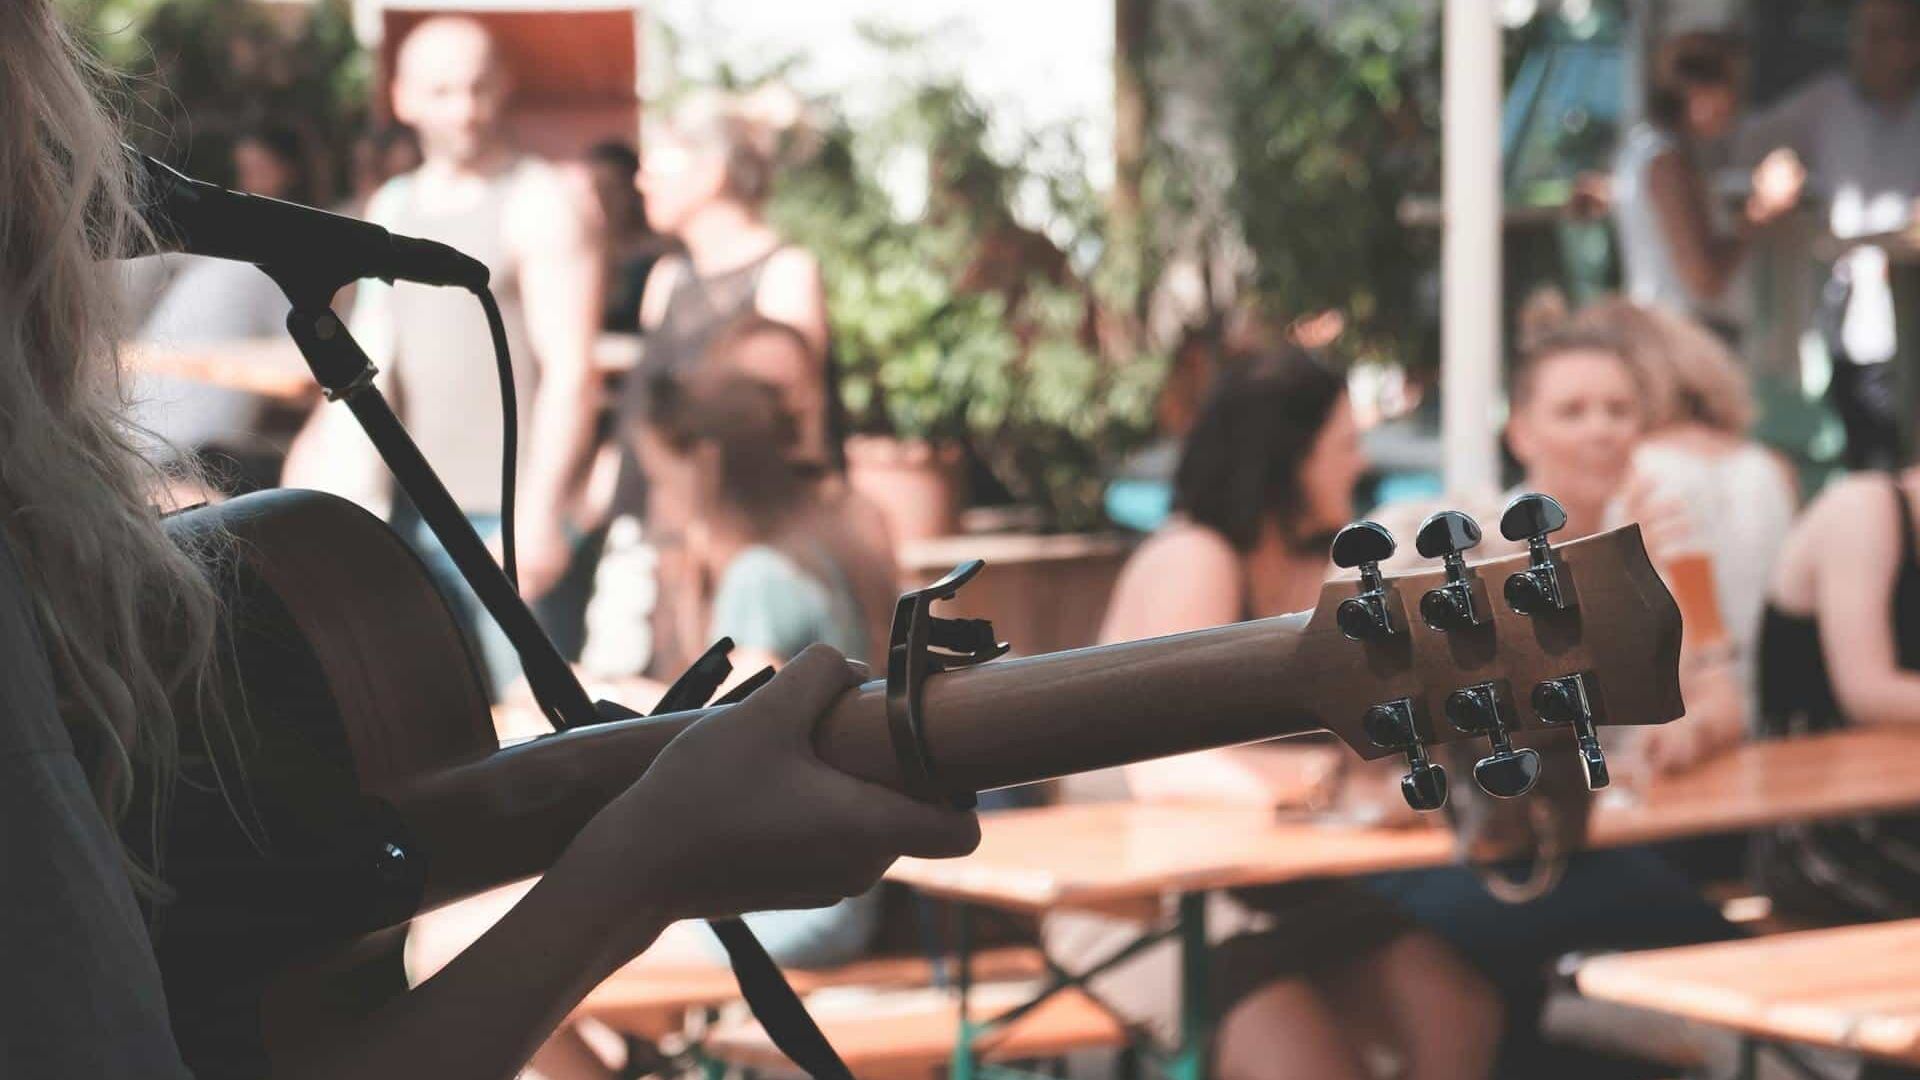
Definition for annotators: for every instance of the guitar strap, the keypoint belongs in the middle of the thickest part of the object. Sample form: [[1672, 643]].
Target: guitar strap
[[775, 1004], [766, 990]]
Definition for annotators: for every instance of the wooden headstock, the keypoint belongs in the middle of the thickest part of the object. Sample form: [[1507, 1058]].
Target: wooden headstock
[[1456, 659]]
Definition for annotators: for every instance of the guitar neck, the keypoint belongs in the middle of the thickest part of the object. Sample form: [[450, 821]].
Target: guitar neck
[[1009, 722]]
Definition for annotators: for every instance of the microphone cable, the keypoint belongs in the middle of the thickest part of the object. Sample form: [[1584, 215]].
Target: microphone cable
[[510, 437]]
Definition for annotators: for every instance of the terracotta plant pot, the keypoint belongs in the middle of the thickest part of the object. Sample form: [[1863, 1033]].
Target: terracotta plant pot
[[919, 486]]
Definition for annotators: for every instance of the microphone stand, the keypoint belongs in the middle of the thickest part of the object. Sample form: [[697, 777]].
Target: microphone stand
[[346, 374]]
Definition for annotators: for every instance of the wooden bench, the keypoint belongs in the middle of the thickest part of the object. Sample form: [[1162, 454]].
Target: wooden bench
[[654, 1000], [909, 1035], [1851, 988]]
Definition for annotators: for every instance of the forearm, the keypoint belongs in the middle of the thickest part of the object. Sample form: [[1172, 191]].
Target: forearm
[[1890, 697], [490, 1008], [564, 409]]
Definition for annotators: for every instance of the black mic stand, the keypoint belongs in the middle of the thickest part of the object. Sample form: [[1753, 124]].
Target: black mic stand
[[346, 374]]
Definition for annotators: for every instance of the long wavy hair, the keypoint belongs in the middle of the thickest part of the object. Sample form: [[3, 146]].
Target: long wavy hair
[[127, 617]]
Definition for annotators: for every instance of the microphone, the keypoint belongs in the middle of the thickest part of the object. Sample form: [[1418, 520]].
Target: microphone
[[197, 218]]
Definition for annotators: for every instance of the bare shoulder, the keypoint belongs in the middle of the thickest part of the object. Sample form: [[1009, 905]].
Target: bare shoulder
[[1182, 558], [1184, 577], [546, 199], [791, 265], [1853, 500]]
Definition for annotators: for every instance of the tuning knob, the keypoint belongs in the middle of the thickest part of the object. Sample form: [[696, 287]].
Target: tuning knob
[[1364, 545], [1390, 726], [1447, 536], [1532, 517], [1566, 700], [1506, 773]]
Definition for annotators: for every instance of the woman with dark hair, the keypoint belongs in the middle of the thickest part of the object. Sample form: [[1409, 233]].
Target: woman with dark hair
[[1676, 248], [272, 160], [1313, 980]]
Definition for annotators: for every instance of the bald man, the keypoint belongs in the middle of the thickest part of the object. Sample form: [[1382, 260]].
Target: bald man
[[534, 230]]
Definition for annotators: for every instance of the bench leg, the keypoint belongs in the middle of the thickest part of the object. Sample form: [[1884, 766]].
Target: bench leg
[[965, 1066], [1189, 1061]]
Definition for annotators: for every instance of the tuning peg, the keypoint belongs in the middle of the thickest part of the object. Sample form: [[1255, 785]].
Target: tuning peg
[[1506, 773], [1390, 725], [1364, 545], [1447, 535], [1537, 589], [1566, 700]]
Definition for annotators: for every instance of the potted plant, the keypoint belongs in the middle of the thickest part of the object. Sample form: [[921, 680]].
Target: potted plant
[[958, 331]]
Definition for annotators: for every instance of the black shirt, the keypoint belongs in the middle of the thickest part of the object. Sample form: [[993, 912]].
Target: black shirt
[[80, 995]]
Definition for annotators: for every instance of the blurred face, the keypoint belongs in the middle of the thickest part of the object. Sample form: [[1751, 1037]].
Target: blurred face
[[1576, 432], [613, 189], [675, 478], [1883, 47], [401, 157], [451, 90], [1711, 110], [259, 171], [678, 179], [1330, 472]]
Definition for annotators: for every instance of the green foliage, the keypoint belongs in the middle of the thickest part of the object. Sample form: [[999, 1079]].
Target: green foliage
[[928, 344], [1331, 120], [194, 72]]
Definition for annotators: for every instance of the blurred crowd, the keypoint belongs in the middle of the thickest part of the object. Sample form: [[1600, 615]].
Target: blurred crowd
[[693, 488]]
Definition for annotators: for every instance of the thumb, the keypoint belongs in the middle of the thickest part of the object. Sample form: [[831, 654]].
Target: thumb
[[922, 829]]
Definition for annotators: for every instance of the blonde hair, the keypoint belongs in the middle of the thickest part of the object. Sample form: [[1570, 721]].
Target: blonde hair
[[757, 132], [1548, 330], [1689, 375], [127, 618]]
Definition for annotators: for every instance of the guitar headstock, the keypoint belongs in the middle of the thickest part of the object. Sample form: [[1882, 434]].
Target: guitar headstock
[[1564, 636]]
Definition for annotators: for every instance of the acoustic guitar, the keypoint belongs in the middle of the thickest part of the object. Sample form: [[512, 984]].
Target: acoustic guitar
[[361, 782]]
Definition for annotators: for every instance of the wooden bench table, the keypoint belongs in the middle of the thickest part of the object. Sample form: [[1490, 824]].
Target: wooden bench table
[[1855, 988], [1119, 854]]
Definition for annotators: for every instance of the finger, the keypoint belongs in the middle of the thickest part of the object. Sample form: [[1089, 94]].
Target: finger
[[802, 691]]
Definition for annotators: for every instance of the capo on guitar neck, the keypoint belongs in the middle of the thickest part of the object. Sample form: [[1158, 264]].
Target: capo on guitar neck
[[922, 644]]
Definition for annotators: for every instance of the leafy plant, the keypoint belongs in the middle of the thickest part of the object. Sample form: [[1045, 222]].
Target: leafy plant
[[956, 322], [1329, 119], [196, 72]]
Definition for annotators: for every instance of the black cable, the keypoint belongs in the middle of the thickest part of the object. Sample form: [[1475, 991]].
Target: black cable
[[510, 442]]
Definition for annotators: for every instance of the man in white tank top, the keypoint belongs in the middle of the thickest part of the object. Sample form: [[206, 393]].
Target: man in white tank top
[[536, 233]]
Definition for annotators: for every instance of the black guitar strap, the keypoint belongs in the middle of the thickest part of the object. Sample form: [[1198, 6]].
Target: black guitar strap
[[765, 989], [775, 1004]]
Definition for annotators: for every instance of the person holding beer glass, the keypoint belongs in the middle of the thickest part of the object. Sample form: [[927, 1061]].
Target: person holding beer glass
[[1739, 497], [1578, 412]]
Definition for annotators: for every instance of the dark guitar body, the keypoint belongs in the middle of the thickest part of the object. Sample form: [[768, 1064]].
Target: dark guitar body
[[346, 671]]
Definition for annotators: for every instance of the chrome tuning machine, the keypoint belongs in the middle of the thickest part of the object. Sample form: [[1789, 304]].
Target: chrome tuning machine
[[1448, 536], [1539, 588], [1364, 546], [1507, 772], [1390, 726], [1568, 700]]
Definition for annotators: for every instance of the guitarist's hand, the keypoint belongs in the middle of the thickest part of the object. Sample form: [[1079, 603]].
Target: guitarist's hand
[[740, 814]]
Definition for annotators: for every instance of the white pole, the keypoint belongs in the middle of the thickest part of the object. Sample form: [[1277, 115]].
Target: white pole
[[1470, 281]]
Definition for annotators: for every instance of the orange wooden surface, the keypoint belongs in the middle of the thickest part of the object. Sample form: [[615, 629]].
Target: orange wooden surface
[[642, 997], [910, 1035], [1854, 988], [1065, 856], [270, 367]]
